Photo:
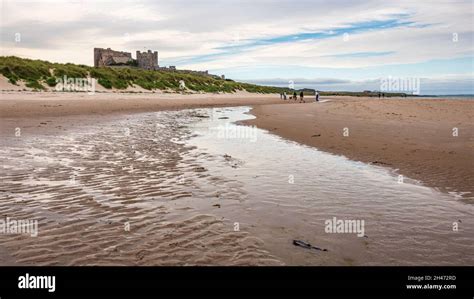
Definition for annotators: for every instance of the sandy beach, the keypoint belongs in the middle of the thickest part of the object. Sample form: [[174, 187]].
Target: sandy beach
[[237, 147], [417, 136], [39, 104], [86, 167], [426, 139]]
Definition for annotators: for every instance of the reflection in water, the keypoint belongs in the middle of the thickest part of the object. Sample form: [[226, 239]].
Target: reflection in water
[[195, 188], [292, 189]]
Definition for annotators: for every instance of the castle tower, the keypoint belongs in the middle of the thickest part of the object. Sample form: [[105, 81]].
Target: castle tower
[[147, 60]]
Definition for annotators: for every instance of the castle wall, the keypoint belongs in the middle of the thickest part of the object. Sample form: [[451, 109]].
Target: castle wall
[[105, 57]]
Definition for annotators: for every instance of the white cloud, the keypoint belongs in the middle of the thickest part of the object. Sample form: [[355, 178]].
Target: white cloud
[[68, 31]]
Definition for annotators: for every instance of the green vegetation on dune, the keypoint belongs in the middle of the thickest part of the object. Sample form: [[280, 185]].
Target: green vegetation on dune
[[38, 73]]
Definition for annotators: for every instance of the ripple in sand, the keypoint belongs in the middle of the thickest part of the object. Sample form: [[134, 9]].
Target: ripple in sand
[[124, 192]]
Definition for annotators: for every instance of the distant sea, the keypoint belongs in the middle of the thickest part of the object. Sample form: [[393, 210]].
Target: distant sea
[[466, 96]]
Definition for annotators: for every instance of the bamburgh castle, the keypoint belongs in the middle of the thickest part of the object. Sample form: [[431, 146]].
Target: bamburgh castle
[[108, 57], [145, 60]]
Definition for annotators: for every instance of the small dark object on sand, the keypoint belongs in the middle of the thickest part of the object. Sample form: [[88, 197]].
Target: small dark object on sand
[[316, 135], [307, 245], [380, 163]]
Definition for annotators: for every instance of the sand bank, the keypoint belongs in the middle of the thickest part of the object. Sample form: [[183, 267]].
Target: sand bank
[[430, 140], [36, 104], [118, 188]]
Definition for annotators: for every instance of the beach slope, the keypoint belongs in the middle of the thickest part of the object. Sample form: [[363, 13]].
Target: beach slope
[[430, 140]]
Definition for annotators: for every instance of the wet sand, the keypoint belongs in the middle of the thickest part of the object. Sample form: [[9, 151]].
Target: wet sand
[[119, 190], [412, 135], [291, 193], [39, 104], [180, 189], [85, 174], [85, 166]]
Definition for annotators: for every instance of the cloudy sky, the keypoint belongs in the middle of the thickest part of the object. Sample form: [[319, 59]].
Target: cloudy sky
[[338, 45]]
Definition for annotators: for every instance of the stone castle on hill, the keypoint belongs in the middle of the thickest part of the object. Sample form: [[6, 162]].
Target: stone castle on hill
[[145, 60], [108, 57]]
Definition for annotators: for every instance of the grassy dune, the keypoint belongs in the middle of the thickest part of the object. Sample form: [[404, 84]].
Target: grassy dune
[[38, 73]]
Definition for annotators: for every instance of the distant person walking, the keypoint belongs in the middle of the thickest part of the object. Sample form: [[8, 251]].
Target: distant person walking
[[302, 97], [316, 96], [294, 95], [284, 95]]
